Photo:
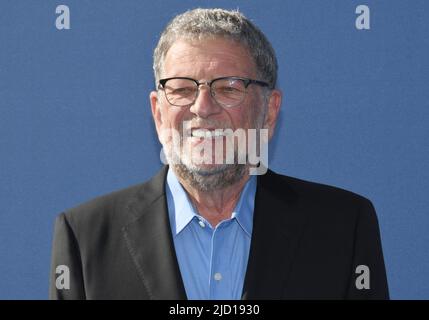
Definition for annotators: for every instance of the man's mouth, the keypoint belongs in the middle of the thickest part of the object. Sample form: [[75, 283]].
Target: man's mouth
[[209, 133]]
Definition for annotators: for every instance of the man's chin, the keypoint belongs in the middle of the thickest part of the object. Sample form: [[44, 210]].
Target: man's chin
[[211, 177], [204, 169]]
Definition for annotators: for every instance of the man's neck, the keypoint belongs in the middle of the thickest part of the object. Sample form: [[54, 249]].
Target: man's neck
[[217, 205]]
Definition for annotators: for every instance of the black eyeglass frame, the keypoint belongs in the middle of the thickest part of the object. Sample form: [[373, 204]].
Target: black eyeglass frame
[[246, 81]]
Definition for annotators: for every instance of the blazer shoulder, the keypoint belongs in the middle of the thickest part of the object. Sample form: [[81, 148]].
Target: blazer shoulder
[[313, 191], [117, 207], [325, 208]]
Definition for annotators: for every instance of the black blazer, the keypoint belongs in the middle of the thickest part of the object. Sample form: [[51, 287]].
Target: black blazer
[[307, 241]]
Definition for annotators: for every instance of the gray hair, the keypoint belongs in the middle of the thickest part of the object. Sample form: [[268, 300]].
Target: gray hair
[[233, 25]]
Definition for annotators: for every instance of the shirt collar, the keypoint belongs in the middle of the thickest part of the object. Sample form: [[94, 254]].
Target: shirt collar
[[184, 210], [243, 210]]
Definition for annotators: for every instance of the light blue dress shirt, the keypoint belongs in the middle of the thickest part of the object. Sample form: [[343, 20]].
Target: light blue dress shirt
[[212, 261]]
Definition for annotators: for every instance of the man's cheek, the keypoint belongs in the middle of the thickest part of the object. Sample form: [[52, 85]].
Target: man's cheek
[[164, 129]]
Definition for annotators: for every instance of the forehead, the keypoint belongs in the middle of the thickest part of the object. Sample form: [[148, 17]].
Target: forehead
[[208, 58]]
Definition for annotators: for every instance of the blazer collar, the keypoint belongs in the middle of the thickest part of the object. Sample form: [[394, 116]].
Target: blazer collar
[[149, 240], [277, 228]]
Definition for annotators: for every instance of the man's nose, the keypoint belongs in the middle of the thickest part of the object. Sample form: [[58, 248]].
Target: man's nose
[[205, 105]]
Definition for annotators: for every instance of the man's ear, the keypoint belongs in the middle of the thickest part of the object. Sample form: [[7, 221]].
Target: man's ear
[[156, 112], [273, 110]]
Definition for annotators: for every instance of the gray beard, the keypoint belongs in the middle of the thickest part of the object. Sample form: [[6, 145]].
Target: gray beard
[[213, 179], [221, 176]]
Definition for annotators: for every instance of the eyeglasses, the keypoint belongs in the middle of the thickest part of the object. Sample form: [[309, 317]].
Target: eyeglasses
[[226, 91]]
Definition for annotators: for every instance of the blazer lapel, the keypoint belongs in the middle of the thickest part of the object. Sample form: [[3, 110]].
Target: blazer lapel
[[276, 232], [150, 243]]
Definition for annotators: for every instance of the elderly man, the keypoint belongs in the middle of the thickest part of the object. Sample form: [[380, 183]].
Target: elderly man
[[214, 229]]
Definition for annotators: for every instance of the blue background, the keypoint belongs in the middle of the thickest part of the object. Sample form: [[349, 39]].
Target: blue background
[[75, 119]]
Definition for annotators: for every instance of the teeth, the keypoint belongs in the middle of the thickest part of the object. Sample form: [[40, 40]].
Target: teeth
[[207, 134]]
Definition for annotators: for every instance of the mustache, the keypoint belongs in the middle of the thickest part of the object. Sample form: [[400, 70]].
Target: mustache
[[205, 123]]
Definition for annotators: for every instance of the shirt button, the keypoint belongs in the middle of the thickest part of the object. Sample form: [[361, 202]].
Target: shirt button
[[201, 223], [217, 276]]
